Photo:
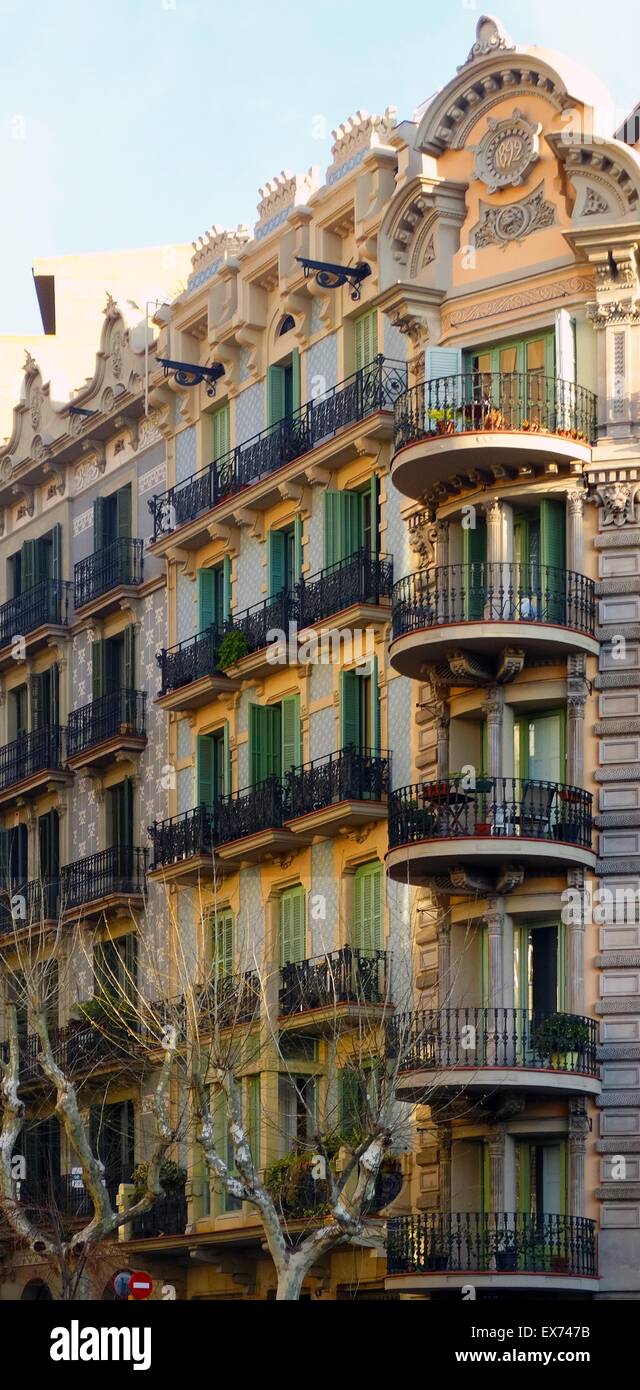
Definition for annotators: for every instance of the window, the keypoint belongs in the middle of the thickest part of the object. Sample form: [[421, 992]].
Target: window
[[220, 431], [292, 928], [18, 712], [224, 1201], [519, 391], [213, 767], [287, 325], [112, 1130], [285, 558], [359, 1098], [214, 596], [275, 739], [283, 388], [252, 1117], [222, 944], [115, 966], [540, 967], [35, 561], [360, 708], [49, 845], [351, 523], [120, 815], [296, 1112], [44, 699], [112, 518], [541, 1178], [369, 915], [114, 663], [540, 746], [14, 870], [365, 339]]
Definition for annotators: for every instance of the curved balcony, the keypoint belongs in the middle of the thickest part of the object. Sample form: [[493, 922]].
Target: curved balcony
[[436, 827], [440, 1051], [481, 421], [519, 1251], [484, 608]]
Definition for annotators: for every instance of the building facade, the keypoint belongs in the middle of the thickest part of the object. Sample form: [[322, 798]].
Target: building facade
[[389, 567]]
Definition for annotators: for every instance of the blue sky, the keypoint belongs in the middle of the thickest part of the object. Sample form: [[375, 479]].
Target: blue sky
[[142, 122]]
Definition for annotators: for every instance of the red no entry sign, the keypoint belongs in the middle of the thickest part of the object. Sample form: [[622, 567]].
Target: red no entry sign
[[140, 1285]]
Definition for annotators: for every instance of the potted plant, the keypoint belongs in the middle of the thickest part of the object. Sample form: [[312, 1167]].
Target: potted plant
[[506, 1257], [232, 648], [562, 1039], [172, 1179], [444, 421]]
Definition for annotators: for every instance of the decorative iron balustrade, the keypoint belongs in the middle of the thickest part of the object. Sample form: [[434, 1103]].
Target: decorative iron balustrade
[[119, 870], [118, 564], [438, 1039], [62, 1194], [272, 616], [40, 751], [250, 811], [167, 1217], [28, 904], [494, 592], [496, 807], [190, 661], [353, 774], [227, 1000], [479, 402], [78, 1048], [186, 836], [45, 605], [347, 976], [492, 1243], [122, 713], [369, 390], [363, 578]]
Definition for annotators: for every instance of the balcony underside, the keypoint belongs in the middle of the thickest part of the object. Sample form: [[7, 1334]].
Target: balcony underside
[[121, 596], [419, 863], [513, 1284], [191, 870], [259, 848], [200, 692], [357, 618], [37, 783], [118, 904], [441, 1086], [438, 458], [410, 654], [322, 1020], [332, 820], [41, 637], [110, 750]]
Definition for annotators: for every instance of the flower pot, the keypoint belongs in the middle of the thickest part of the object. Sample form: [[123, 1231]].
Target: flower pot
[[483, 829], [506, 1260]]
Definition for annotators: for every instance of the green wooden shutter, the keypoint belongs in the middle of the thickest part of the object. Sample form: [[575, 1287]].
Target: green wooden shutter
[[98, 669], [223, 955], [206, 599], [375, 519], [226, 760], [254, 1111], [127, 812], [123, 513], [298, 547], [56, 552], [276, 394], [28, 568], [369, 925], [221, 431], [350, 728], [206, 769], [54, 688], [350, 1101], [5, 857], [375, 707], [351, 539], [292, 926], [475, 556], [332, 504], [129, 659], [562, 999], [296, 390], [365, 330], [277, 562], [226, 588], [265, 750], [291, 733], [256, 744], [553, 546], [99, 528]]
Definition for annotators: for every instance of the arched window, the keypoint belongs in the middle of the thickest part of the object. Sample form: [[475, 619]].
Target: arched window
[[36, 1291], [285, 327]]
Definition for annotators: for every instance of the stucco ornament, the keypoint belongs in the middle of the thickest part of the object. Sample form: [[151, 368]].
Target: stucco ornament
[[507, 152], [617, 501], [500, 226], [491, 37]]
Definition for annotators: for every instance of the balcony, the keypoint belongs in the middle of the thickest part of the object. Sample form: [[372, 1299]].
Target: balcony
[[550, 1253], [255, 636], [35, 616], [228, 1001], [58, 1195], [29, 906], [112, 878], [345, 982], [78, 1049], [440, 1052], [183, 846], [103, 579], [167, 1217], [190, 675], [33, 762], [439, 826], [112, 725], [359, 589], [344, 790], [485, 608], [250, 825], [370, 392], [486, 422]]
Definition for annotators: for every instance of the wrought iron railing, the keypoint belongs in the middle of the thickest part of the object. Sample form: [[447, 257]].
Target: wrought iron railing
[[369, 390], [353, 774], [488, 1243], [437, 1039], [61, 1194], [119, 870], [44, 605], [480, 402], [363, 578], [271, 616], [78, 1048], [250, 811], [167, 1217], [227, 1000], [497, 807], [120, 713], [189, 661], [494, 592], [28, 904], [347, 976], [40, 751], [185, 836], [120, 563]]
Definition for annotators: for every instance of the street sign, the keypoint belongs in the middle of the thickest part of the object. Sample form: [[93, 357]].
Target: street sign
[[140, 1285], [121, 1282]]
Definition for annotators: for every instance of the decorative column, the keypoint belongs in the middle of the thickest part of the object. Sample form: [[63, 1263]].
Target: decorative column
[[577, 694], [444, 960], [496, 1141], [494, 917], [494, 709], [443, 725], [495, 528], [439, 538], [577, 1148], [575, 529], [575, 942], [444, 1168]]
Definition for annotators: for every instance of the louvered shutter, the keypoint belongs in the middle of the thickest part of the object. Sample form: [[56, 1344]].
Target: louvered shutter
[[291, 733], [369, 925], [365, 339], [206, 780], [123, 513], [292, 926], [350, 728]]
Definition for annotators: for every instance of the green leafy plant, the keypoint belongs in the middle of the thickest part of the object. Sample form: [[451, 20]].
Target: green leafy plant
[[560, 1033], [107, 1011], [232, 648], [293, 1188], [172, 1178]]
